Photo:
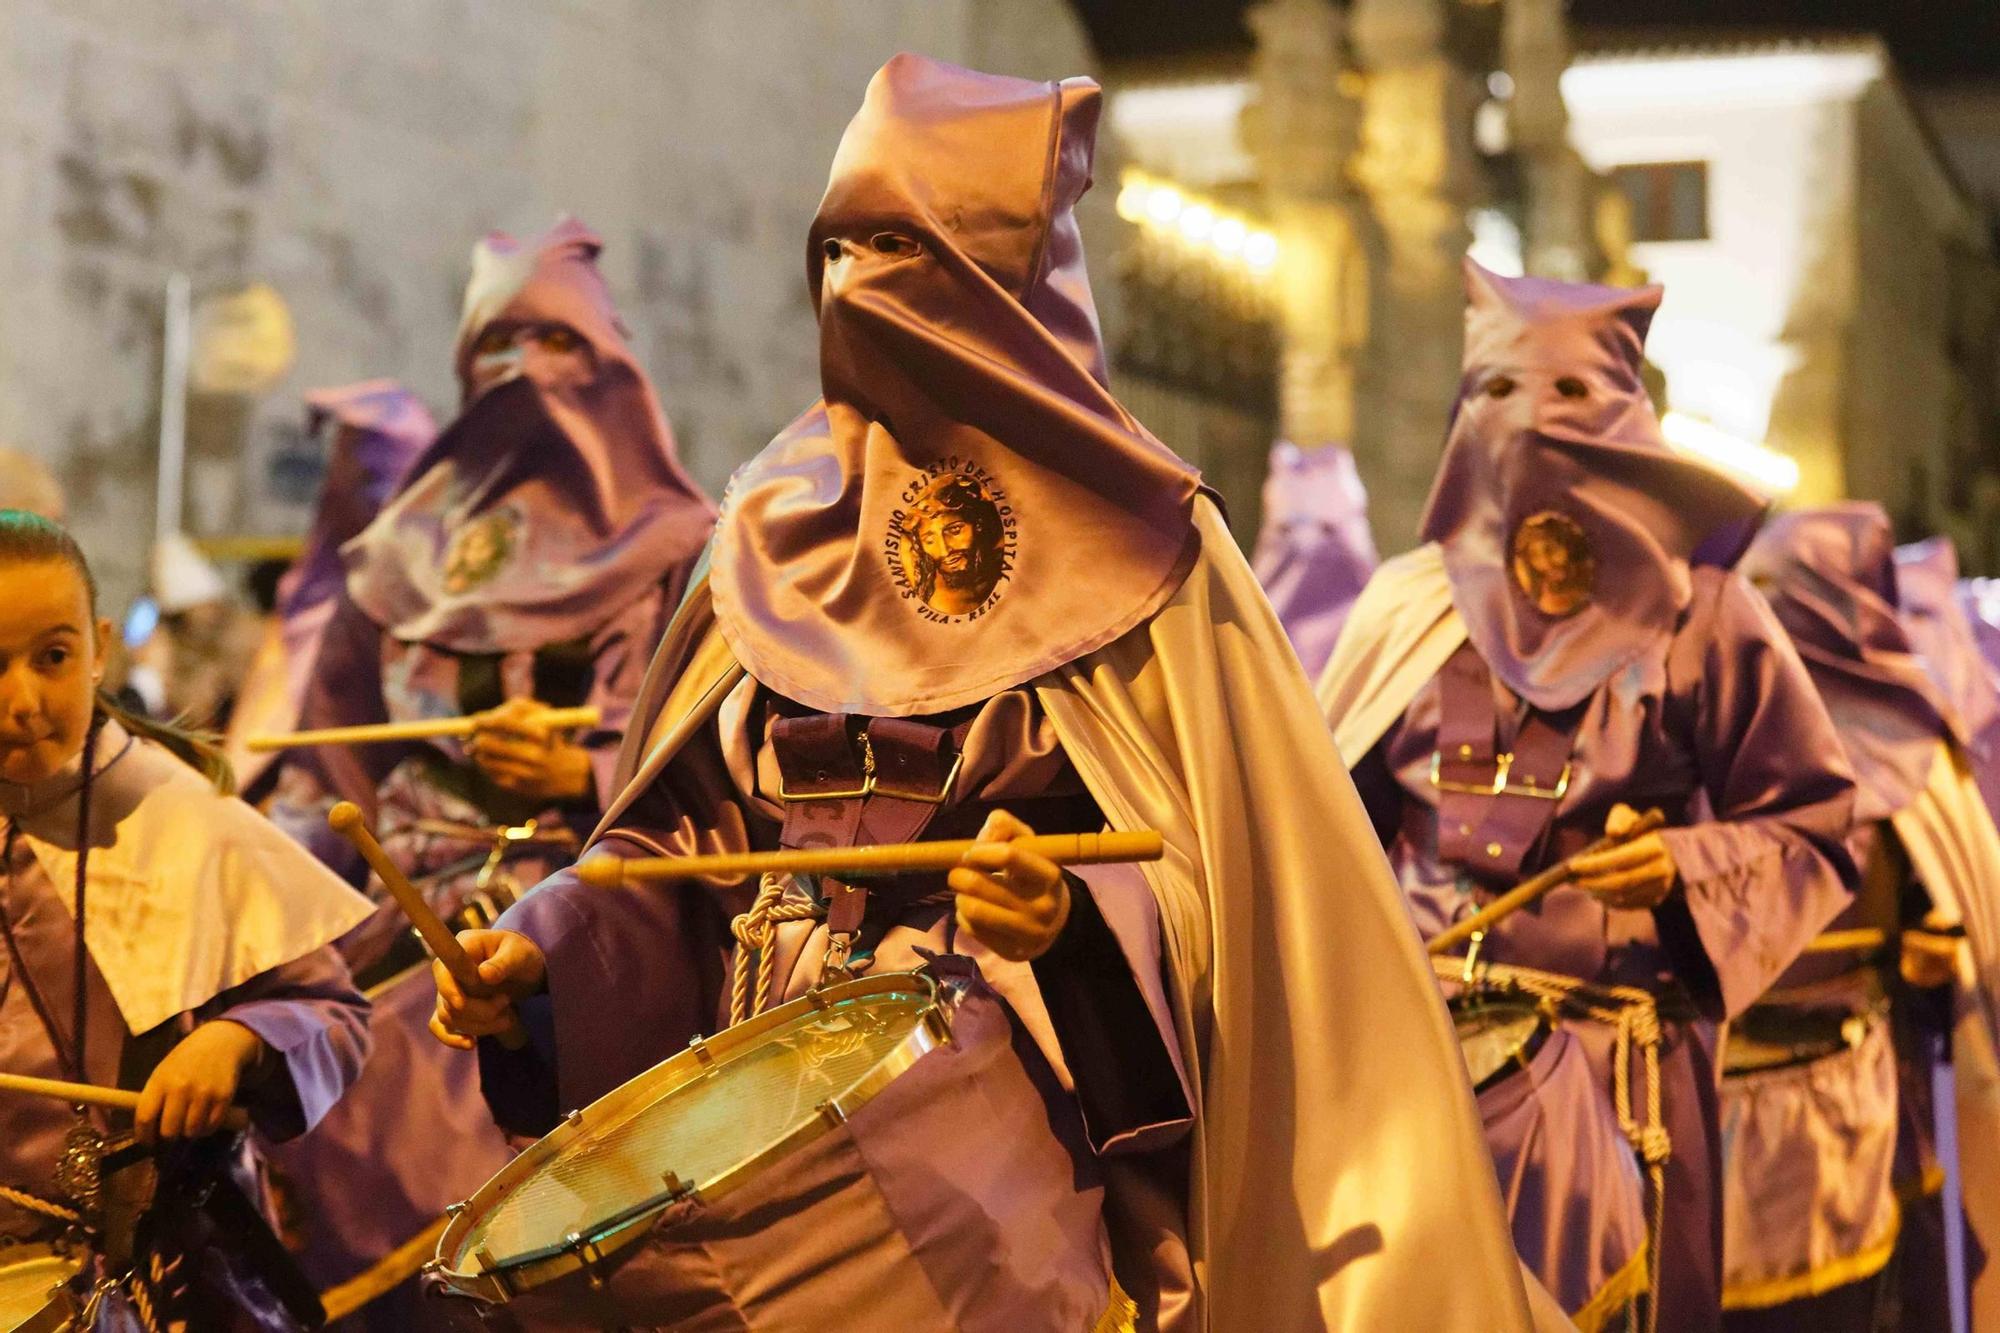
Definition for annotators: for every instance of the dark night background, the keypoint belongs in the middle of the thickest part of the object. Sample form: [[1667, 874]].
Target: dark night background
[[1934, 41]]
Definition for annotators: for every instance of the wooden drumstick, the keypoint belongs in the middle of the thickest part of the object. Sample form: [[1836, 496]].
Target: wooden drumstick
[[347, 820], [1530, 889], [894, 858], [96, 1094], [555, 719]]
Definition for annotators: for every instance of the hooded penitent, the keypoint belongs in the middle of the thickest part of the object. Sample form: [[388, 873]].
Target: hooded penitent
[[888, 554], [1568, 525], [1314, 552], [374, 431], [555, 498], [1933, 601], [1830, 575]]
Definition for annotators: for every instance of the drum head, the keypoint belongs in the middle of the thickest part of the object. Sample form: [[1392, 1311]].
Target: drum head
[[29, 1278], [1497, 1035], [698, 1122]]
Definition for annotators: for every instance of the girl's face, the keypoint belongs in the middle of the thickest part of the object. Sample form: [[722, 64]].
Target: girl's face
[[51, 659]]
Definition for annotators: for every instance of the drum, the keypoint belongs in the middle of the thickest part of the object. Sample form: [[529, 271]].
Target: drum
[[810, 1159], [34, 1292], [1498, 1033]]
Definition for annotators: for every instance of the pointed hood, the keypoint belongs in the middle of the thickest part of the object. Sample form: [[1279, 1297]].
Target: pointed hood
[[556, 498], [1314, 552], [1933, 601], [374, 431], [1568, 525], [968, 507], [1830, 574]]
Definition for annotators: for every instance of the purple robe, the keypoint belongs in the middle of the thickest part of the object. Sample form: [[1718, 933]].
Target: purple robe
[[416, 1129], [376, 430], [535, 550], [1314, 553], [1717, 724], [1101, 1036], [307, 1013]]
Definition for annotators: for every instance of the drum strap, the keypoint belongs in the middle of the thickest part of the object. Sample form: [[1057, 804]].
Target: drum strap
[[1495, 802], [845, 785]]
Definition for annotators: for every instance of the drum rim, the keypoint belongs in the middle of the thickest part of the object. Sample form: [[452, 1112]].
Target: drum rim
[[57, 1300], [1524, 1054], [504, 1280]]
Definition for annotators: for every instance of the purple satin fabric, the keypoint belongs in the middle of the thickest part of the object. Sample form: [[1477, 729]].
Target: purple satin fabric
[[1830, 575], [555, 498], [376, 430], [1574, 1195], [1314, 553], [411, 1137], [1716, 723], [1594, 456], [895, 1220], [306, 1011], [961, 368], [1952, 624]]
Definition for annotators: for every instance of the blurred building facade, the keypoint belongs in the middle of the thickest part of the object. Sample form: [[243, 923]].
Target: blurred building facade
[[1832, 288], [343, 155]]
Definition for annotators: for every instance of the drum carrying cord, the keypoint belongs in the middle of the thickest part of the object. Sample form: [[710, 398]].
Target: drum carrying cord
[[34, 1203], [1633, 1015], [757, 929]]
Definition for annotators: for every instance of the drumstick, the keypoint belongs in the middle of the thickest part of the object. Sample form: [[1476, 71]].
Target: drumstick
[[1864, 939], [1530, 889], [893, 858], [96, 1094], [347, 820], [556, 719]]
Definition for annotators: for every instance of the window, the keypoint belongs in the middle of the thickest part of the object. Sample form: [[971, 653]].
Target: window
[[1669, 199]]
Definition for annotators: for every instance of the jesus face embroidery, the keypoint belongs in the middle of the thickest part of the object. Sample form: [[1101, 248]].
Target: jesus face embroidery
[[1553, 564]]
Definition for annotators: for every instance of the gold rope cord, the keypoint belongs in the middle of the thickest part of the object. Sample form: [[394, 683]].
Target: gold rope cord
[[1633, 1015], [34, 1203], [756, 931]]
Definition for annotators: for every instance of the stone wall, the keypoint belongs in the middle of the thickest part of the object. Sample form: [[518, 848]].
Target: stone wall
[[348, 152]]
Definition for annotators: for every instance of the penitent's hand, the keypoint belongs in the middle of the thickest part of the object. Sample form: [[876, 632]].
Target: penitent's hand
[[191, 1091], [1014, 901], [515, 747], [509, 962], [1634, 875]]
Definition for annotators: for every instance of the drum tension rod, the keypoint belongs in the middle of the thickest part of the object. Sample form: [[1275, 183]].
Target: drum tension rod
[[699, 1045], [589, 1255]]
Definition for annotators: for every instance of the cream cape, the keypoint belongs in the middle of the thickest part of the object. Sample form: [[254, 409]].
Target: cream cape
[[191, 892], [1341, 1178], [1401, 632], [1955, 848]]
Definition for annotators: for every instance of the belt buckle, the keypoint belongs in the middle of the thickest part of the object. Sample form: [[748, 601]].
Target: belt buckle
[[1501, 764], [942, 794], [1502, 784]]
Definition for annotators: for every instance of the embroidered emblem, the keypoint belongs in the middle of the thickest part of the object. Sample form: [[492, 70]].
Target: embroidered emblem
[[1553, 564], [952, 541], [480, 548]]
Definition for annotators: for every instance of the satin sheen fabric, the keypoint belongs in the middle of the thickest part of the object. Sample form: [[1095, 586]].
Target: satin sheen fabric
[[1314, 553], [374, 431], [1573, 434], [174, 920], [958, 339], [1311, 1207], [555, 498], [1830, 575]]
